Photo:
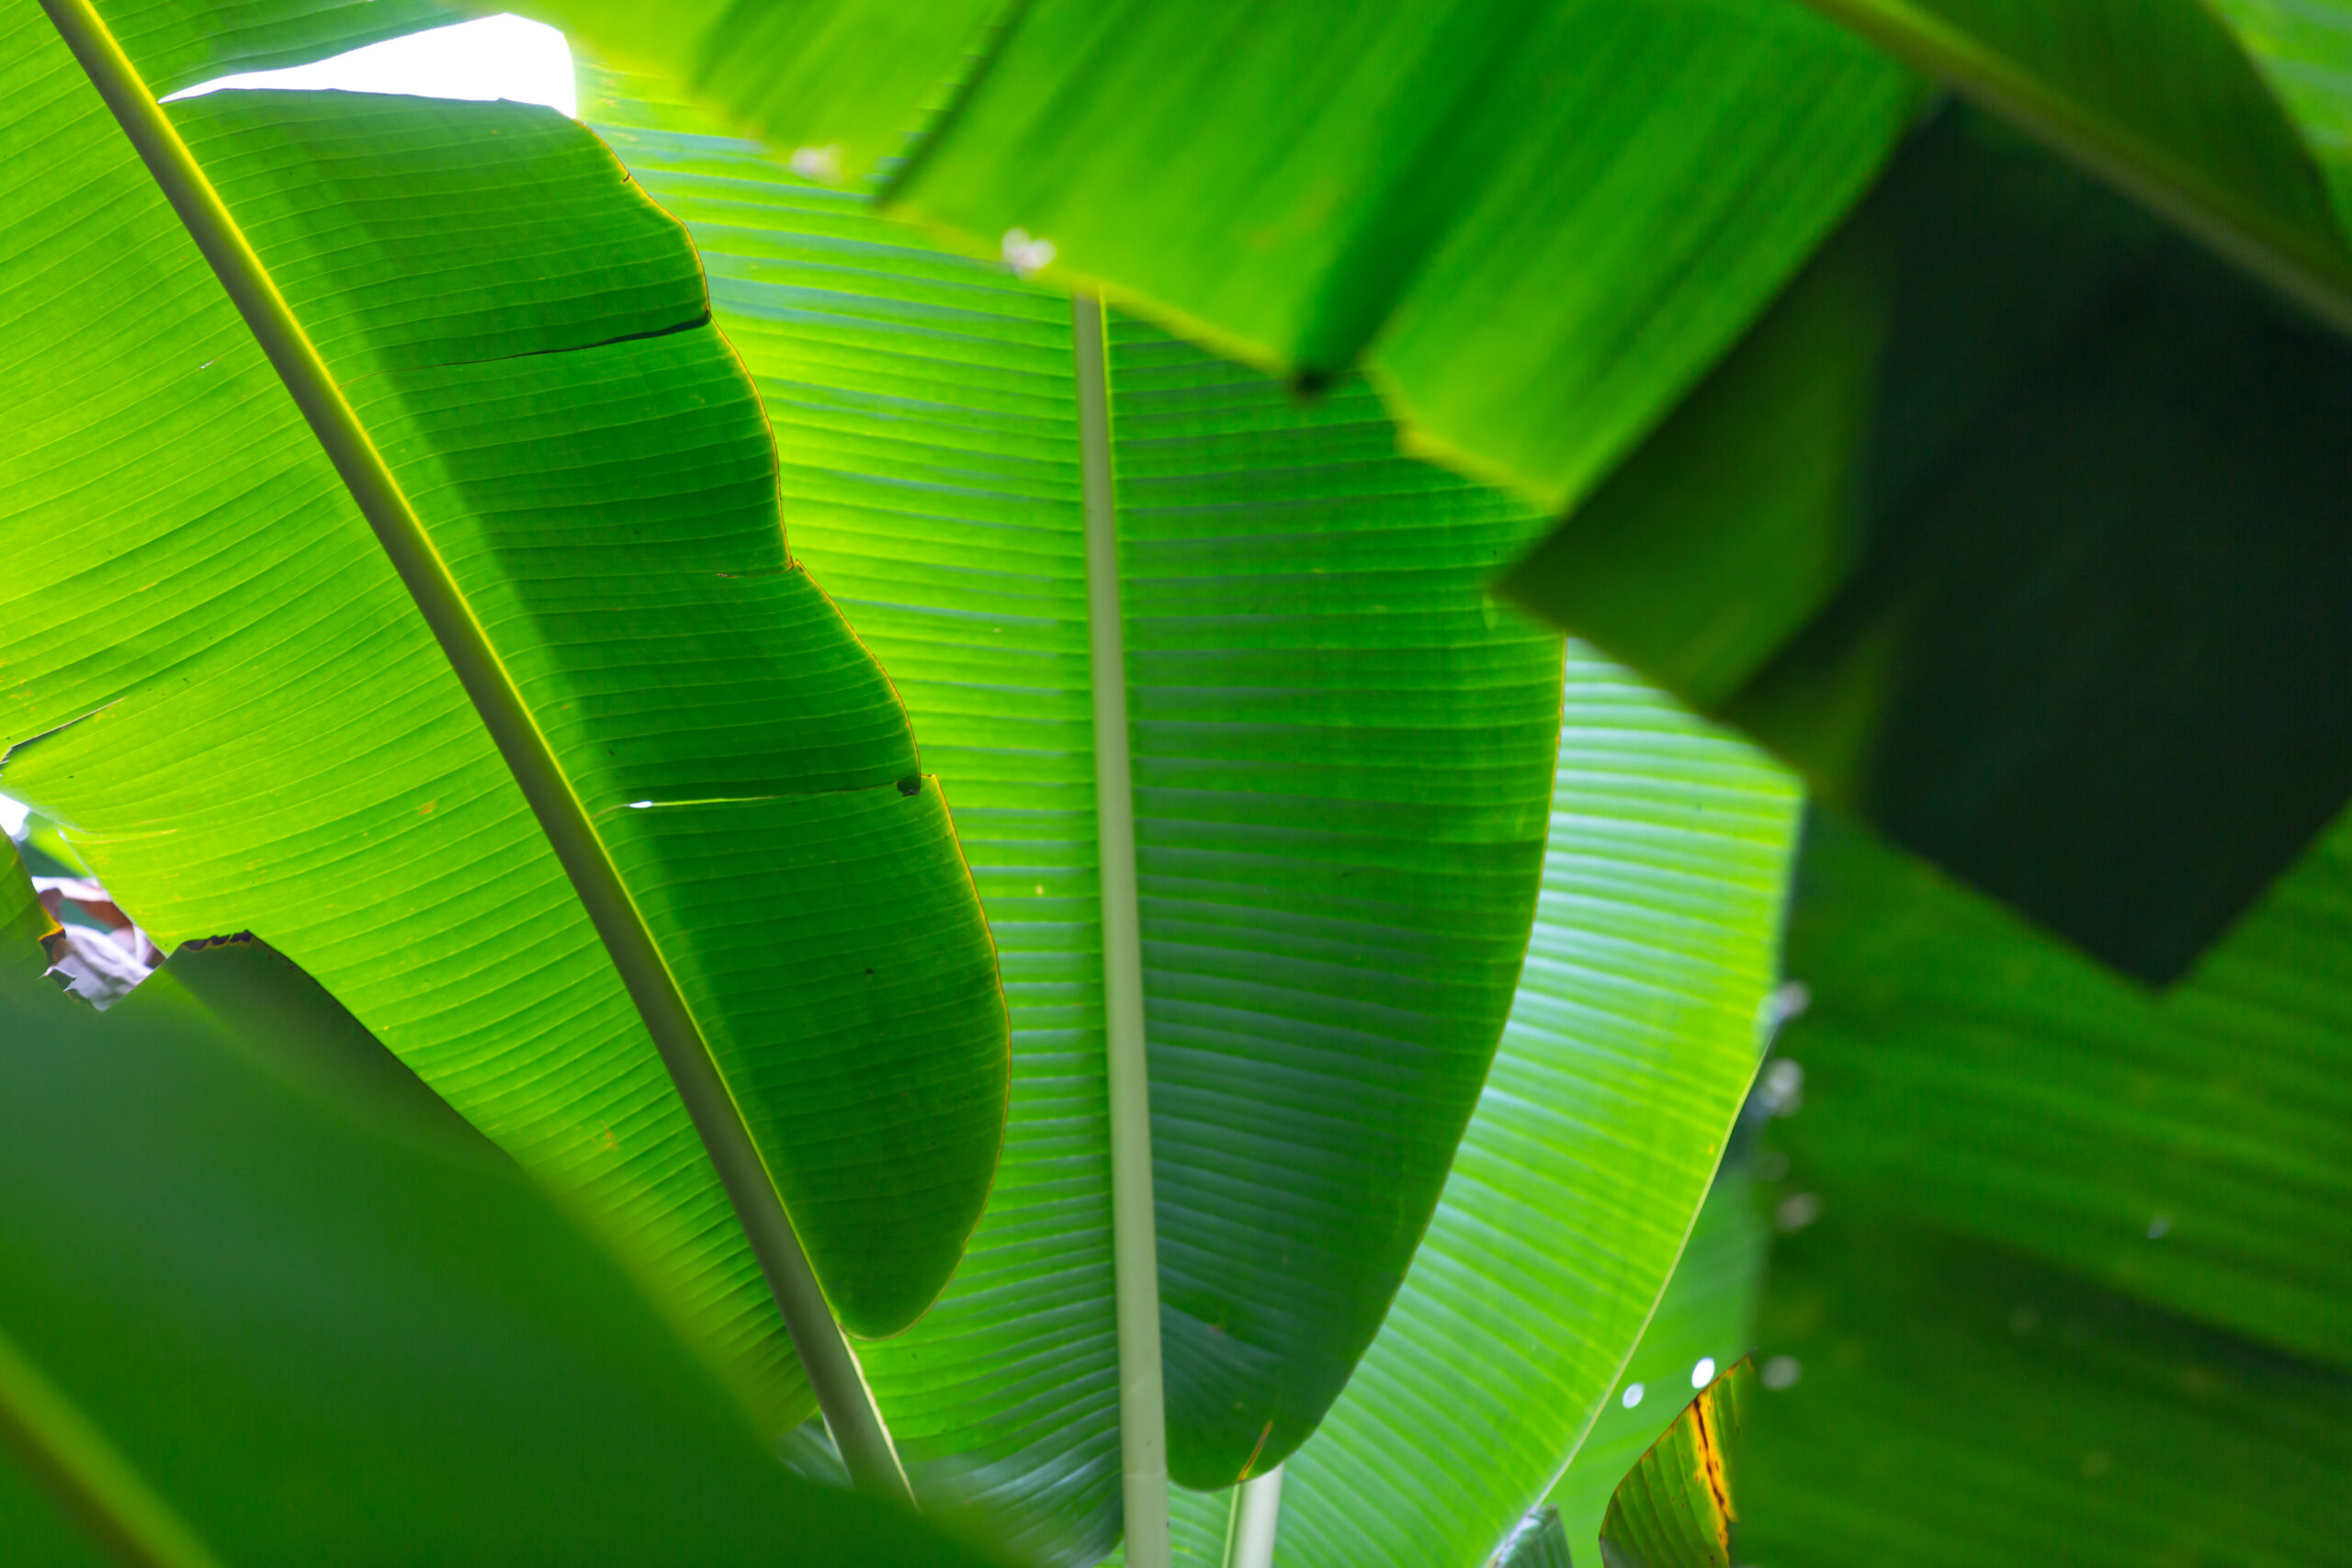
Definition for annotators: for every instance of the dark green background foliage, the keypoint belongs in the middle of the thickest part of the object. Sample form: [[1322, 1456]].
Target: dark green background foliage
[[323, 1319], [2073, 1290], [1961, 1405], [2010, 1088]]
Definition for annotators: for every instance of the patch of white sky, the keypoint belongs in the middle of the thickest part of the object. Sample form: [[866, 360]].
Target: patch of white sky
[[497, 57]]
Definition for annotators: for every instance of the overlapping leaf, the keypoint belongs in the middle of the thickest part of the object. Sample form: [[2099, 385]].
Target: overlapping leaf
[[2017, 525], [1678, 1507], [1543, 222], [1706, 1317], [247, 727], [248, 1321], [1632, 1041]]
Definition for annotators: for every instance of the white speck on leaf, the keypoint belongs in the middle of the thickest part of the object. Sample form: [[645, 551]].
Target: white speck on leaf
[[1026, 255], [818, 163]]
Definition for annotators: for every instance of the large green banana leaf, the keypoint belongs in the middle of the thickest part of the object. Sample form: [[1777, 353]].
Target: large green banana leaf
[[2229, 116], [1539, 223], [214, 680], [2017, 523], [1631, 1039], [1342, 756], [247, 1320]]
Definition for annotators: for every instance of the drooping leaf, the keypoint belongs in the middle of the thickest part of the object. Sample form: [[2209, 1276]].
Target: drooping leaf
[[246, 727], [1552, 218], [2017, 526], [1341, 756], [2228, 117], [1680, 1506], [2193, 1149], [1956, 1405], [270, 1322]]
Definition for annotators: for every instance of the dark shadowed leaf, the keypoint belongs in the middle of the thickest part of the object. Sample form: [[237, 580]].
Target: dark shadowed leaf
[[2017, 525], [2062, 1263], [250, 1320]]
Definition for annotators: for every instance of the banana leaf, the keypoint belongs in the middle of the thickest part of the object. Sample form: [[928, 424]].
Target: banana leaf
[[1543, 225], [1631, 1044], [1343, 758], [2017, 526], [1677, 1506], [1705, 1319], [1540, 226], [216, 684], [264, 1299]]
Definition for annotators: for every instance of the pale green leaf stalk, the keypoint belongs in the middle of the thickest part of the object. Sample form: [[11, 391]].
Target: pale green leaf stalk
[[1257, 1517], [1143, 1421]]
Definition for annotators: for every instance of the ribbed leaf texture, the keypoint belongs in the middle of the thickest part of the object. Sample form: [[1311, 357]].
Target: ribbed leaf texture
[[1342, 756], [215, 681], [1632, 1041]]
